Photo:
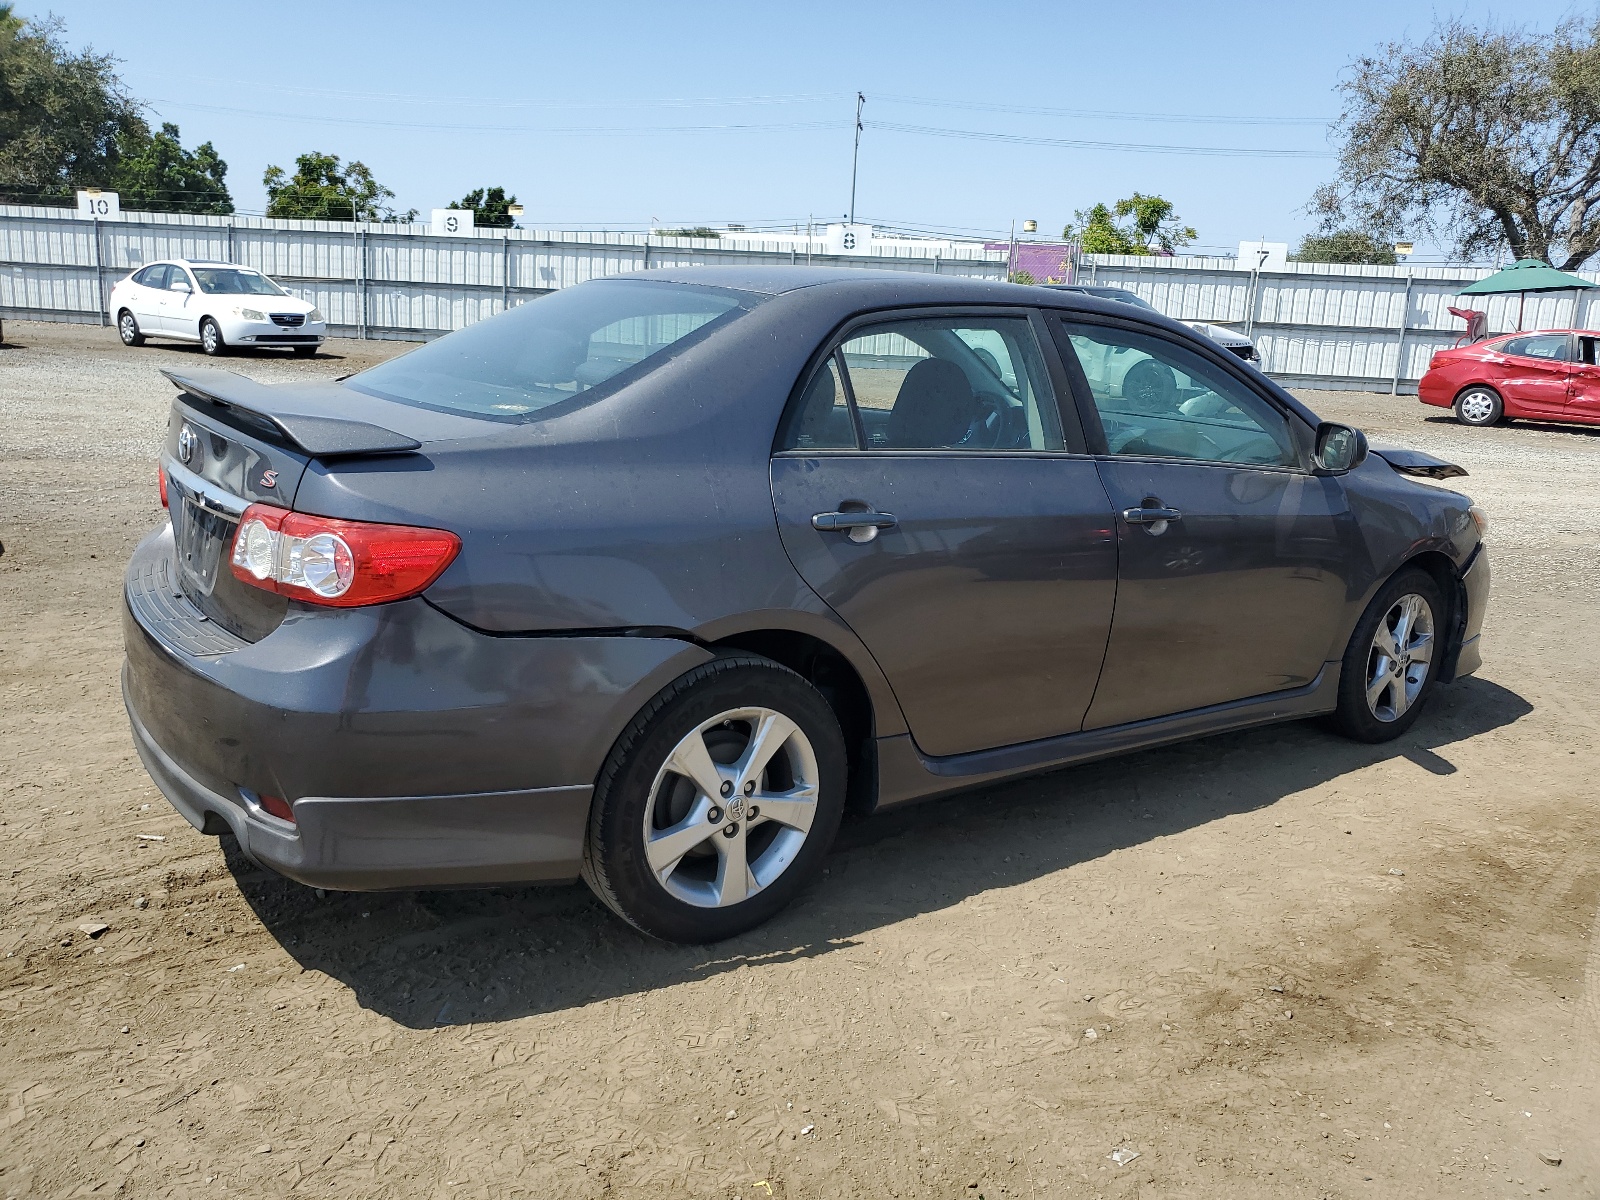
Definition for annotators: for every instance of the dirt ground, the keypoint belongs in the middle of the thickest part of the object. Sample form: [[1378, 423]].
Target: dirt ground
[[1270, 964]]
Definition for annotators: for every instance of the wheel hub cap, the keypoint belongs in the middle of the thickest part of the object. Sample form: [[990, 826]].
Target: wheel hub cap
[[1400, 657], [731, 807]]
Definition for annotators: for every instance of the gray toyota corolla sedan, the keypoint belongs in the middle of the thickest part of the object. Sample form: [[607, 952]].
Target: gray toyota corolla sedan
[[652, 579]]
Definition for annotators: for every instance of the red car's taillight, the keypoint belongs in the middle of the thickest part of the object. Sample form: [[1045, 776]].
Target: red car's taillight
[[343, 563], [161, 475]]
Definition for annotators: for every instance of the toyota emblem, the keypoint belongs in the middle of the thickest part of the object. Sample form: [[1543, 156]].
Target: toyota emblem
[[188, 443]]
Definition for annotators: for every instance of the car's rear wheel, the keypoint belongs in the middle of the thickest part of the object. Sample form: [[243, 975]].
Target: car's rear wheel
[[1393, 659], [128, 329], [211, 338], [718, 803], [1479, 406]]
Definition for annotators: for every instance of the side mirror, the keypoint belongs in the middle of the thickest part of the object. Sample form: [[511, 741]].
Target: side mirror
[[181, 286], [1339, 448]]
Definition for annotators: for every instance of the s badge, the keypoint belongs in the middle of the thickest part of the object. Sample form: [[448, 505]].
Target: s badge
[[269, 479]]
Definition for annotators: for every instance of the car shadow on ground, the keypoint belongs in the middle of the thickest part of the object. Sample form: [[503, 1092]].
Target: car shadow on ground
[[446, 958], [1526, 423], [275, 353]]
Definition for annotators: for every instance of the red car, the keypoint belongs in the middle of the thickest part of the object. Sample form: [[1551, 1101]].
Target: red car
[[1548, 375]]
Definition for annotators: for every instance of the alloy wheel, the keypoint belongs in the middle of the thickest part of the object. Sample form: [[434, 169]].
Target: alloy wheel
[[209, 337], [1400, 658], [731, 807], [128, 328]]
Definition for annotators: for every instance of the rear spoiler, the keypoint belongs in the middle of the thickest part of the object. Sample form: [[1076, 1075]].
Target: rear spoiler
[[1415, 462], [318, 434]]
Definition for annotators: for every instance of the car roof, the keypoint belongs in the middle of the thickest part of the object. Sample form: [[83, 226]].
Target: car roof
[[198, 262], [778, 281]]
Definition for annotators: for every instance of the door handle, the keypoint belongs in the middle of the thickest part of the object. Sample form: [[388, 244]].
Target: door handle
[[1150, 516], [857, 526]]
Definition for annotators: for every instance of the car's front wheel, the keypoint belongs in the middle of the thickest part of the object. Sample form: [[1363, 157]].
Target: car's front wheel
[[128, 329], [718, 803], [1479, 406], [211, 338], [1393, 658]]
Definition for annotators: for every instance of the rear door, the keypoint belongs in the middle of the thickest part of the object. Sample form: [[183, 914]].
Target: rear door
[[147, 295], [1232, 566], [1533, 372], [926, 491], [1583, 389]]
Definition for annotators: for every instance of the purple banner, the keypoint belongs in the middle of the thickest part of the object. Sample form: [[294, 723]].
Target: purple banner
[[1046, 262]]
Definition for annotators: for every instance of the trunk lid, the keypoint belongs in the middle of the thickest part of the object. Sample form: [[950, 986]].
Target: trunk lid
[[232, 442]]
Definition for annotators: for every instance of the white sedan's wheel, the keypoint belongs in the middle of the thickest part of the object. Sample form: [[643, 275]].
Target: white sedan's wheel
[[211, 338], [128, 329]]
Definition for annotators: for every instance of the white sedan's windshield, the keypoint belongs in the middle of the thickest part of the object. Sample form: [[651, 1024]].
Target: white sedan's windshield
[[230, 281]]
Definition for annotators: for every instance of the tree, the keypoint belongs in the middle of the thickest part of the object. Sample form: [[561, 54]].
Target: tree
[[158, 175], [1154, 224], [696, 231], [323, 189], [1344, 246], [489, 207], [1488, 138], [64, 117]]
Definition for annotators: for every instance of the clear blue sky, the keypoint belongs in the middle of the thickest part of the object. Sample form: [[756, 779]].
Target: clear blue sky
[[611, 115]]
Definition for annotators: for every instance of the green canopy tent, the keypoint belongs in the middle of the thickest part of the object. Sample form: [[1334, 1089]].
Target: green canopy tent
[[1524, 276]]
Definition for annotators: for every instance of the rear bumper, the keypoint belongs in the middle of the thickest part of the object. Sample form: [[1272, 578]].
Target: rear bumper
[[414, 751], [369, 843], [1436, 390]]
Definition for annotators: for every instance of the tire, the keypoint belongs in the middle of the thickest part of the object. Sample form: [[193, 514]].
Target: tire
[[304, 351], [1381, 693], [1151, 387], [1479, 406], [719, 706], [128, 329], [211, 338]]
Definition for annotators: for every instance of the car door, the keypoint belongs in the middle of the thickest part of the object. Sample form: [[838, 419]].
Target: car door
[[147, 295], [1232, 568], [1583, 387], [177, 313], [1533, 373], [924, 488]]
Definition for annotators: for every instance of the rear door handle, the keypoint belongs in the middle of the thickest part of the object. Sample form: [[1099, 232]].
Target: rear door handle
[[857, 526], [1150, 516]]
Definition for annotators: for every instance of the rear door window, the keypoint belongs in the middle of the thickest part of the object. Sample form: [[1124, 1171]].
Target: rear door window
[[1552, 347], [935, 383]]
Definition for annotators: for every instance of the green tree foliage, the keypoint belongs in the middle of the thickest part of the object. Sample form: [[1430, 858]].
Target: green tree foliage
[[489, 207], [1105, 229], [324, 189], [64, 117], [697, 231], [1487, 138], [157, 174], [1345, 246]]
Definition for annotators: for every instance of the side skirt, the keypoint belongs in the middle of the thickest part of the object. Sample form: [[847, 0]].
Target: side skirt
[[906, 774]]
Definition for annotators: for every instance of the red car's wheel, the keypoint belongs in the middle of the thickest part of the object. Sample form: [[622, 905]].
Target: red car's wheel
[[1479, 406]]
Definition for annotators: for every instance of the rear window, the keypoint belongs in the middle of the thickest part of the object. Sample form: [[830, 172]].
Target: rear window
[[582, 341]]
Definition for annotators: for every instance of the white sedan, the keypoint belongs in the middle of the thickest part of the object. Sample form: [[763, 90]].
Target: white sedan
[[219, 305]]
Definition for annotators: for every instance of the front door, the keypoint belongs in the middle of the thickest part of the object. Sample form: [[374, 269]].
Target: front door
[[176, 312], [924, 490], [1232, 579], [1532, 373]]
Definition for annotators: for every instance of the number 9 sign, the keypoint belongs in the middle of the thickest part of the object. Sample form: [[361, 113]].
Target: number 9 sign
[[451, 221]]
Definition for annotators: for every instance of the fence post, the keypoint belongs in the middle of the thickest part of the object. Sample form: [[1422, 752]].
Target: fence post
[[505, 271], [1400, 342], [100, 275], [361, 276]]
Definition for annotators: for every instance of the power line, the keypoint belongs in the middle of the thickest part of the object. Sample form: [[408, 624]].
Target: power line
[[1101, 114], [1083, 144]]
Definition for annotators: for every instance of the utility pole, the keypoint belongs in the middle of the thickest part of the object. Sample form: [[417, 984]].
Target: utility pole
[[856, 157]]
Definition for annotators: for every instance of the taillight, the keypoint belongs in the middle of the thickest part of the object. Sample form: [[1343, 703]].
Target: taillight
[[278, 807], [342, 563], [161, 475]]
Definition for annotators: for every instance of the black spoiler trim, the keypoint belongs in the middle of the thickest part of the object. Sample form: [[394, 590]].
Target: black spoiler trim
[[316, 434], [1415, 462]]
